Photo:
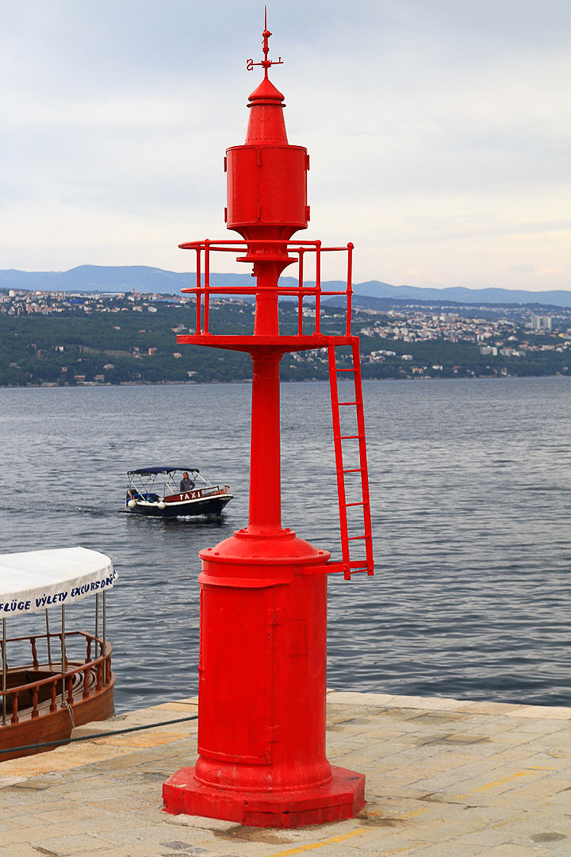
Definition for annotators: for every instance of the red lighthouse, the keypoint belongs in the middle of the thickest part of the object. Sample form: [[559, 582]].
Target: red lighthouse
[[263, 610]]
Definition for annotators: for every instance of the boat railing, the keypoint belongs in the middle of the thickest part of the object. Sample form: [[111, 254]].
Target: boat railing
[[61, 688], [198, 493], [214, 490]]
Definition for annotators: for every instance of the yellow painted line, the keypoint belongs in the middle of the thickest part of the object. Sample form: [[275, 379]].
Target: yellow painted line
[[345, 836], [333, 840], [413, 814], [509, 779], [497, 783], [299, 850], [313, 845]]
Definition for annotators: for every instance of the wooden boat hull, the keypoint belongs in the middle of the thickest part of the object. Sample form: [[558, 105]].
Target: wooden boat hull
[[56, 725]]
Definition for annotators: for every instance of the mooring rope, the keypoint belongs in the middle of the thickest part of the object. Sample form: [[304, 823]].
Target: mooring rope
[[96, 735]]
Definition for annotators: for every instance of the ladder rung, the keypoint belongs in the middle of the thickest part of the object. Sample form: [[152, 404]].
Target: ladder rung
[[350, 566]]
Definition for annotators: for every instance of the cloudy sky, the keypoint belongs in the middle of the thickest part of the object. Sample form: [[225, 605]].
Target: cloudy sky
[[439, 131]]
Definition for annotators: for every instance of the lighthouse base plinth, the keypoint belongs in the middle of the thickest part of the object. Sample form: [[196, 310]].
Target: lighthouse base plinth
[[339, 799]]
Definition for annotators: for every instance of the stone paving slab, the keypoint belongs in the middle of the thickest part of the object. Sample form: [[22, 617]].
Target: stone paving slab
[[445, 778]]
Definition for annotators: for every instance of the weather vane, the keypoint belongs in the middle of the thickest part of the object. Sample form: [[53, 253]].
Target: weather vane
[[265, 63]]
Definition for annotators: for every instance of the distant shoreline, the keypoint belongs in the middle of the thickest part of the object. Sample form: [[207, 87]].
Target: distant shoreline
[[283, 381]]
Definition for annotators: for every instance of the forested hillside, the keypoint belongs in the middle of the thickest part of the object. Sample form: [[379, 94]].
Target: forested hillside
[[124, 339]]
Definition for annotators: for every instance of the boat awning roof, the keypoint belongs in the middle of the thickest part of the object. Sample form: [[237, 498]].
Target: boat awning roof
[[146, 471], [31, 581]]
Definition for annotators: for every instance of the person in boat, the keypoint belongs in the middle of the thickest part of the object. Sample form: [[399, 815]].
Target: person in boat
[[186, 483]]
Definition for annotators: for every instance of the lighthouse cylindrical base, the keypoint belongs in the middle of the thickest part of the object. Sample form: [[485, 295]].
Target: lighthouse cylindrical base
[[262, 690], [342, 797]]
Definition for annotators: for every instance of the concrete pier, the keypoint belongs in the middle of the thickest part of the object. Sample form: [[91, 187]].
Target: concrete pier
[[445, 778]]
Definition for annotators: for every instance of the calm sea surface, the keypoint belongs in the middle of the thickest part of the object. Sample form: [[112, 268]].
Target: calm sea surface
[[471, 493]]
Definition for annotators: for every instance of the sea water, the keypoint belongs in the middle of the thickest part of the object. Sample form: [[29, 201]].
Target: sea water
[[471, 505]]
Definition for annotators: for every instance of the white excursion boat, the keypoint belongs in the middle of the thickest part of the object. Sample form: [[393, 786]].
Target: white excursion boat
[[174, 491], [52, 680]]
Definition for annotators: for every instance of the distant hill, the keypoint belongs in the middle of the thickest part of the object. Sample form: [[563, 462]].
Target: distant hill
[[95, 278], [90, 278], [376, 289]]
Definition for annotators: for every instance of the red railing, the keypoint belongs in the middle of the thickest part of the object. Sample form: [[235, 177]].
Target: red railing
[[270, 250], [90, 676], [299, 250]]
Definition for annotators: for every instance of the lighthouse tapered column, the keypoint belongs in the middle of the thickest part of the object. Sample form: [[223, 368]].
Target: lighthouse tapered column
[[265, 482]]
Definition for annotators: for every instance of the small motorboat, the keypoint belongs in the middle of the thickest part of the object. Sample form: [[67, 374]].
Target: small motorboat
[[174, 492], [52, 681]]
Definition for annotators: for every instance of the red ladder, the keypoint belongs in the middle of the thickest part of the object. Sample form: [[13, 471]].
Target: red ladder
[[349, 565]]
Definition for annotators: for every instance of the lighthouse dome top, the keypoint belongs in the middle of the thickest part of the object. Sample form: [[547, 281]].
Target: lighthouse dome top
[[266, 123], [266, 91]]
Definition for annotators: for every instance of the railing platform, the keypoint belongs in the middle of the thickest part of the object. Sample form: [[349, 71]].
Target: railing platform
[[252, 343]]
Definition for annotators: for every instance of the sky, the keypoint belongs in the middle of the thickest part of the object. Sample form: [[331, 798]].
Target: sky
[[439, 132]]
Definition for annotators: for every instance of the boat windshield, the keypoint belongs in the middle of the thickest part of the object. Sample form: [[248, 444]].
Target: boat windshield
[[155, 484]]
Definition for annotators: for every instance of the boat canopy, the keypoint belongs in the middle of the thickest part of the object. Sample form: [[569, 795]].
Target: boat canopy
[[147, 471], [31, 581]]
